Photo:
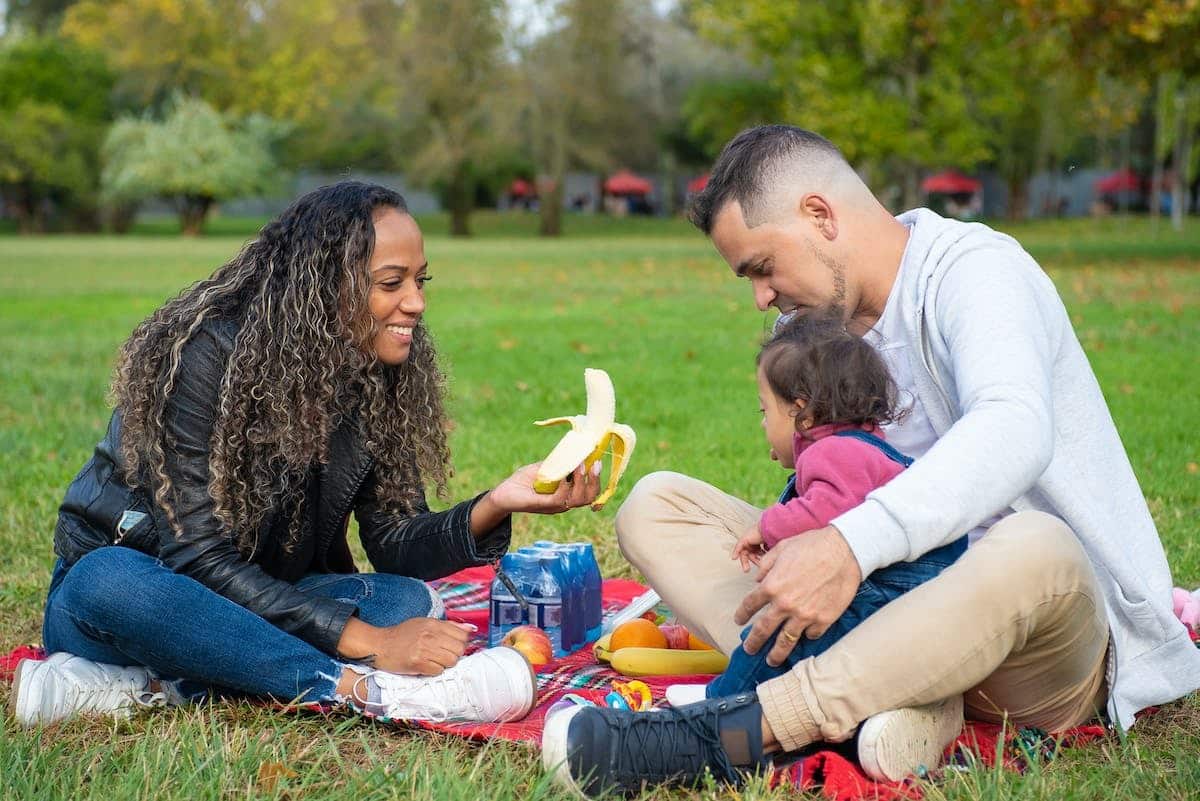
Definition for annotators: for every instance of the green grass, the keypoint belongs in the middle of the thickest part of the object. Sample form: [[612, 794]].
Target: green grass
[[517, 319]]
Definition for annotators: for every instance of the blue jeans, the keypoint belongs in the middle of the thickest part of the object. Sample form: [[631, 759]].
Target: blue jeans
[[746, 671], [123, 607]]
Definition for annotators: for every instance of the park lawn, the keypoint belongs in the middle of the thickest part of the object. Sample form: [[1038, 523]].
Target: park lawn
[[517, 319]]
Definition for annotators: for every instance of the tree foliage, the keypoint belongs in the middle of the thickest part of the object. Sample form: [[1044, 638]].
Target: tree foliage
[[456, 100], [313, 63], [194, 157], [897, 85], [53, 109]]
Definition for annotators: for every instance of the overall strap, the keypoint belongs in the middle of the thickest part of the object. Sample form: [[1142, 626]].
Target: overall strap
[[878, 442], [789, 491]]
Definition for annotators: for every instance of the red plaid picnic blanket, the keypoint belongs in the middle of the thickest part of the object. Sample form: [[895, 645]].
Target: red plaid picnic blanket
[[836, 776]]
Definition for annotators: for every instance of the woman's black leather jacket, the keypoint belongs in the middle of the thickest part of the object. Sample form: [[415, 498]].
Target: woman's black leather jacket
[[101, 510]]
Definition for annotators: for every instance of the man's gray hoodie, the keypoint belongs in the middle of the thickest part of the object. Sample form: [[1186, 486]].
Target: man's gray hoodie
[[1021, 425]]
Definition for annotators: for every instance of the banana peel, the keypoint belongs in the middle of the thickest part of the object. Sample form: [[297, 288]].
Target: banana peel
[[589, 439], [659, 661]]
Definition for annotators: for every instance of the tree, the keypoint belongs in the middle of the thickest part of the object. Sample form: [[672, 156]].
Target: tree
[[574, 107], [39, 16], [194, 157], [899, 86], [1156, 42], [716, 110], [315, 64], [449, 57], [53, 109]]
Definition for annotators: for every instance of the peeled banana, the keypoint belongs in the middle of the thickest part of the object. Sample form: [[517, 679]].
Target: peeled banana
[[589, 438], [660, 661]]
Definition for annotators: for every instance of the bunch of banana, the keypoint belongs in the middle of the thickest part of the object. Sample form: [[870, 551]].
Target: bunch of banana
[[659, 661], [588, 439]]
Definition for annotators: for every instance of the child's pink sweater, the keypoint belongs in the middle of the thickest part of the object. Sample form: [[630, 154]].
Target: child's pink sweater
[[833, 475]]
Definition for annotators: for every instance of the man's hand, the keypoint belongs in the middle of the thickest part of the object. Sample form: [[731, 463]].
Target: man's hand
[[805, 583], [421, 646], [749, 548]]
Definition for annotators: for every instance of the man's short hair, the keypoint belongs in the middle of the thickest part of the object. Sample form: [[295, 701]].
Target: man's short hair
[[751, 165]]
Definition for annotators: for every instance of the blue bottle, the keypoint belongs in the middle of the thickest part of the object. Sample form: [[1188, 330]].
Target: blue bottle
[[593, 603], [546, 596], [557, 562], [577, 575], [507, 611]]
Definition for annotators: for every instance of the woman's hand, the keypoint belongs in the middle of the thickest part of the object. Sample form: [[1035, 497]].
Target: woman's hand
[[749, 549], [421, 646], [516, 494]]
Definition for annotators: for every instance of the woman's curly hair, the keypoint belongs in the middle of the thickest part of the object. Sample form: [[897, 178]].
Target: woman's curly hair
[[839, 376], [302, 363]]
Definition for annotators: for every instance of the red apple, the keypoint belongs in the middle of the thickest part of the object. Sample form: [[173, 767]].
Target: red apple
[[677, 636], [532, 642]]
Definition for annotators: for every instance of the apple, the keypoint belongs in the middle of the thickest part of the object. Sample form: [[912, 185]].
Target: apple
[[677, 636], [531, 642]]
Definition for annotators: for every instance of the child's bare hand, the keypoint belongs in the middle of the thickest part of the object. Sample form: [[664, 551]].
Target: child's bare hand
[[749, 548]]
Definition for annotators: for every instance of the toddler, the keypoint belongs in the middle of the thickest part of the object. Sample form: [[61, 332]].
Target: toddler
[[824, 393]]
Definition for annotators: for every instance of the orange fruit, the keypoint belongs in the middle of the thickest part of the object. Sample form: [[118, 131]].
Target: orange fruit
[[637, 633], [697, 644]]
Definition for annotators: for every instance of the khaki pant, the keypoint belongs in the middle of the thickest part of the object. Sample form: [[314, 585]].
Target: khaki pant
[[1016, 625]]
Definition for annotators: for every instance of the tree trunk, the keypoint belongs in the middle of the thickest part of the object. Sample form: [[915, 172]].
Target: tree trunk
[[1018, 198], [1126, 147], [121, 217], [26, 202], [551, 195], [1156, 177], [193, 211], [912, 170], [462, 199], [912, 185], [1183, 150]]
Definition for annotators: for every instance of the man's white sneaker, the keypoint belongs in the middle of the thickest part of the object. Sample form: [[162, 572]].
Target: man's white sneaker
[[62, 685], [493, 685], [895, 744]]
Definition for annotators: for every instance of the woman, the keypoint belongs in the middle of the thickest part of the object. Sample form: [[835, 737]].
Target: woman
[[204, 544]]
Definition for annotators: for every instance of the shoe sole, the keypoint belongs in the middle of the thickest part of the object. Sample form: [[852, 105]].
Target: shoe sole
[[895, 744], [554, 750]]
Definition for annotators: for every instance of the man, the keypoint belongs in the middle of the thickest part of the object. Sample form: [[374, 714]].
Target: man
[[1061, 608]]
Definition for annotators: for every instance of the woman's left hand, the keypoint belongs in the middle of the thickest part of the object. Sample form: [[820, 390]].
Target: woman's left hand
[[516, 493]]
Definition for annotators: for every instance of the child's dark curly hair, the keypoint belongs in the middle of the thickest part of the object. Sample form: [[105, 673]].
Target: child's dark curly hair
[[838, 375]]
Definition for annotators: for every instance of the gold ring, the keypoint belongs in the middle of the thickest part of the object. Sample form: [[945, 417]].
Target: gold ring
[[788, 636]]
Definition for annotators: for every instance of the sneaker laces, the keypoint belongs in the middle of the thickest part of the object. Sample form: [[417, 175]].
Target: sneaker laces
[[429, 692], [122, 692], [661, 744]]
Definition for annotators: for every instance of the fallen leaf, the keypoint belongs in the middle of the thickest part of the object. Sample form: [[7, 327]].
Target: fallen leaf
[[269, 774], [1193, 468]]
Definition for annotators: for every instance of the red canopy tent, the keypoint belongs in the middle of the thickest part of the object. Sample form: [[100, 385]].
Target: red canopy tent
[[950, 182], [626, 183], [697, 184], [521, 188], [1125, 180]]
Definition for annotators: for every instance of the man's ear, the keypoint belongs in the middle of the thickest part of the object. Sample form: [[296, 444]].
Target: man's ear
[[817, 209]]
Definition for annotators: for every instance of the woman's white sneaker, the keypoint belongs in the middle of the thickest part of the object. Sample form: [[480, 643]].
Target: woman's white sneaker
[[494, 685], [901, 742], [61, 686]]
